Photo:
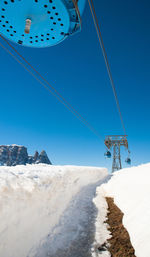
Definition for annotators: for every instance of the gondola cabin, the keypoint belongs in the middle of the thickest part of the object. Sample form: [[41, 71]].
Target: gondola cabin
[[128, 161], [107, 154]]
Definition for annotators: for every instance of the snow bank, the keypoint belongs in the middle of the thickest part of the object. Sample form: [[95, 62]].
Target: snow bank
[[102, 233], [130, 189], [43, 209]]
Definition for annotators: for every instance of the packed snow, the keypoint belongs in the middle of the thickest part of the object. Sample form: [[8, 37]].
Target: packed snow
[[130, 189], [49, 210]]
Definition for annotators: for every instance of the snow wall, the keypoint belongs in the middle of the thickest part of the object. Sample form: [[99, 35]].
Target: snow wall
[[130, 189], [45, 209]]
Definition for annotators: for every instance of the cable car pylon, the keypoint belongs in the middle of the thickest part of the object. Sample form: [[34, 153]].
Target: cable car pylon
[[114, 142]]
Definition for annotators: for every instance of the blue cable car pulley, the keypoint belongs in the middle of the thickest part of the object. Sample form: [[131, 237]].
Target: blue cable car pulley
[[40, 23]]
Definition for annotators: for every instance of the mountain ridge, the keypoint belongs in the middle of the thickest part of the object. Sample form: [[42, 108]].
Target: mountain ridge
[[12, 155]]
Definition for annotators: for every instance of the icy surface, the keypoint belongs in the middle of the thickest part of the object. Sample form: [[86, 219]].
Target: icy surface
[[131, 191], [48, 210]]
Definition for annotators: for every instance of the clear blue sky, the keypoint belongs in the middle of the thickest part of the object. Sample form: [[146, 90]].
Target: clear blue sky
[[30, 116]]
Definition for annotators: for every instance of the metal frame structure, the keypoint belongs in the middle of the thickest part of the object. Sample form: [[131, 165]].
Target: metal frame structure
[[115, 142]]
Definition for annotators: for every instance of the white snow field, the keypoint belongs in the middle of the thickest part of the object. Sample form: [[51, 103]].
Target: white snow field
[[49, 211], [130, 189]]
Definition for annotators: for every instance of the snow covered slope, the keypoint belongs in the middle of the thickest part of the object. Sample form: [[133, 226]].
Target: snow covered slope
[[47, 210], [131, 191]]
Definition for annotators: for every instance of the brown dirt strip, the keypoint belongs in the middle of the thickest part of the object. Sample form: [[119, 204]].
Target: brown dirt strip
[[120, 245]]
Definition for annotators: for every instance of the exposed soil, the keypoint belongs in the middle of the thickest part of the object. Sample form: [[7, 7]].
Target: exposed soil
[[120, 245]]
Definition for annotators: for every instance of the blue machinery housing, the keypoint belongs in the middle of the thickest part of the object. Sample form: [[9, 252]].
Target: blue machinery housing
[[40, 23]]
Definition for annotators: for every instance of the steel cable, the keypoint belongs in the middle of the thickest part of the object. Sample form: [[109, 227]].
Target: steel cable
[[101, 42], [52, 90]]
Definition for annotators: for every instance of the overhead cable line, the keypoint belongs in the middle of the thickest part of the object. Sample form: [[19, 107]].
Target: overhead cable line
[[101, 42], [50, 88]]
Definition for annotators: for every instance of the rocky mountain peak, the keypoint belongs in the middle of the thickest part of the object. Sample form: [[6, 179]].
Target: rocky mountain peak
[[36, 156], [43, 158], [11, 155]]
